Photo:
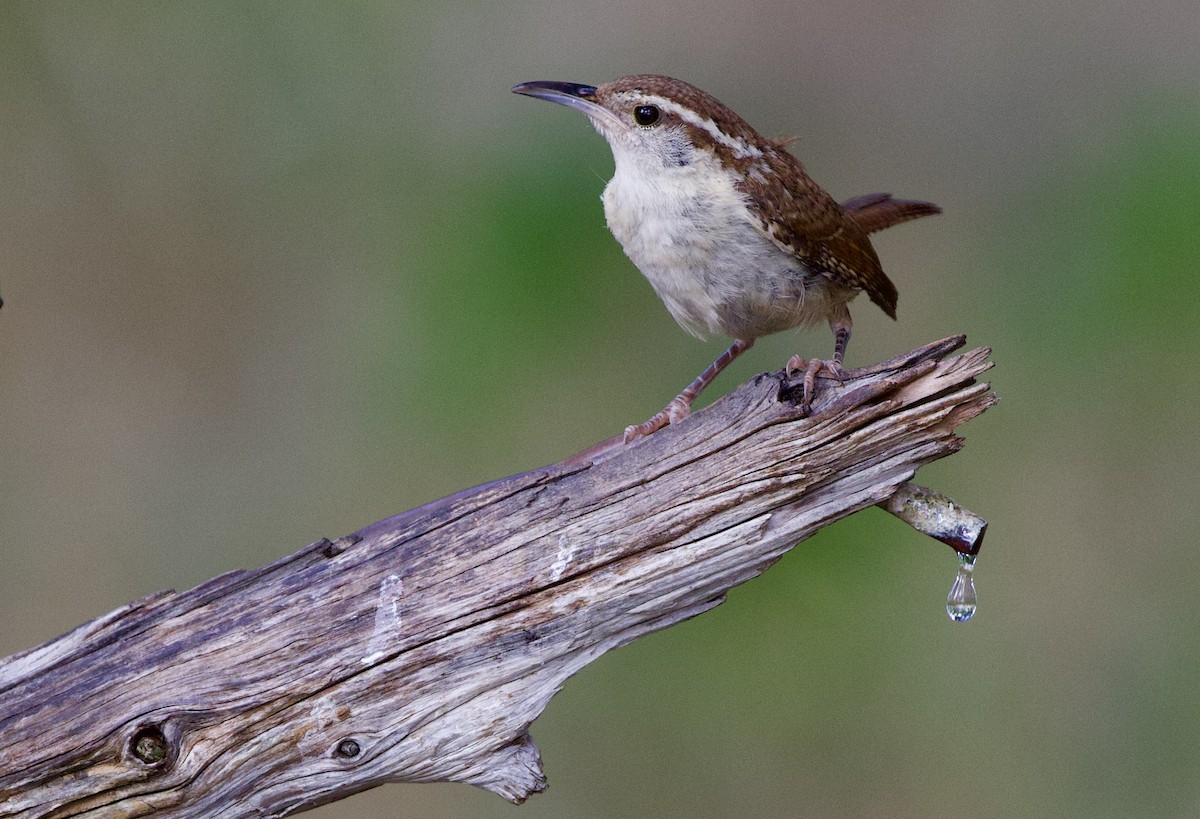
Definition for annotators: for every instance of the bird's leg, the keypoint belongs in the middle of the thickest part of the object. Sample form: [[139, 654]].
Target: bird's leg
[[839, 322], [681, 405]]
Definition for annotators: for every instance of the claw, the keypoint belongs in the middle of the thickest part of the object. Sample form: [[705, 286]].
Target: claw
[[677, 410], [672, 413], [839, 322], [831, 366], [794, 366], [635, 431], [810, 379]]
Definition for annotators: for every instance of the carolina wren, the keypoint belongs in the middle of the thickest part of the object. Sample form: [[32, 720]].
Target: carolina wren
[[730, 231]]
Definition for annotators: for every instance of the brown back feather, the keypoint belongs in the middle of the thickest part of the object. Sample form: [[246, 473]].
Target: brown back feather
[[801, 218]]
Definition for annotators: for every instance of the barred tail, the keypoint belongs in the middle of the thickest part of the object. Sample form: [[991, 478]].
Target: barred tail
[[876, 211]]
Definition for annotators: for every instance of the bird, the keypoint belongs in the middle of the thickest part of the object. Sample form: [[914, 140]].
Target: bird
[[727, 226]]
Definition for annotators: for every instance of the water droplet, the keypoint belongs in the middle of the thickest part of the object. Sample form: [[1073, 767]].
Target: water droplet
[[961, 602]]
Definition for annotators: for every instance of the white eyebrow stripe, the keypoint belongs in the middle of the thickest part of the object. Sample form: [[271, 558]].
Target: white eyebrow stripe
[[741, 149]]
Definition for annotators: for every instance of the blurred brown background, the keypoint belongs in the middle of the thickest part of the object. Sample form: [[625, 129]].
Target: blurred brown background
[[274, 271]]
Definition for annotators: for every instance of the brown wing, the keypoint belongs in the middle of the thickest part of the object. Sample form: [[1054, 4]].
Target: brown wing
[[804, 220]]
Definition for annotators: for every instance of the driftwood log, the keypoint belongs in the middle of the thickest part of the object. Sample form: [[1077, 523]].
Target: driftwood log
[[421, 647]]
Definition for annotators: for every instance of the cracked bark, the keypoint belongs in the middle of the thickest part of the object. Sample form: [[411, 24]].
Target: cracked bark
[[421, 647]]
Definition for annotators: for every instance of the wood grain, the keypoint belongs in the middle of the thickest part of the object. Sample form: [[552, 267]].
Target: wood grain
[[421, 647]]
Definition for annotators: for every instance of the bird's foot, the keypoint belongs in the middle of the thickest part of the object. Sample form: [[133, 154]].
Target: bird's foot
[[811, 368], [672, 413]]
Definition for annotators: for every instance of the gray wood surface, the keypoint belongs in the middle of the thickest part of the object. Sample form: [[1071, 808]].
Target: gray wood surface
[[421, 647]]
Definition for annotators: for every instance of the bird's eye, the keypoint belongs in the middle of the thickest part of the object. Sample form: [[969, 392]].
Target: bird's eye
[[646, 115]]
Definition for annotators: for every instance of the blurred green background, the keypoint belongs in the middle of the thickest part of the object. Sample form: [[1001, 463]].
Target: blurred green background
[[274, 271]]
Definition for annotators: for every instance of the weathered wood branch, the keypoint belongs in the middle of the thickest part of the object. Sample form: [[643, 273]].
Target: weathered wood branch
[[421, 647]]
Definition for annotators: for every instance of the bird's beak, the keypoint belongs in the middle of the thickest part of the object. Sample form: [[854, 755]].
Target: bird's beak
[[571, 94]]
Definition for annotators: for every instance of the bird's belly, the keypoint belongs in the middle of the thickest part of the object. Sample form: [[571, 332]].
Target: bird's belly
[[713, 269]]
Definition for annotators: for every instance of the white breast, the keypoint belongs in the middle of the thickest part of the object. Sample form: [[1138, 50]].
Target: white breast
[[688, 230]]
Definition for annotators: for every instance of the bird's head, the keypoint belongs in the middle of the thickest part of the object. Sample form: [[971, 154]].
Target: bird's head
[[654, 121]]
